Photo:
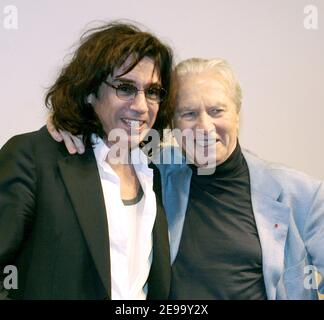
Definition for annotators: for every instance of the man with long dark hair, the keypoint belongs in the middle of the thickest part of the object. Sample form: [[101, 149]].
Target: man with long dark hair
[[90, 226]]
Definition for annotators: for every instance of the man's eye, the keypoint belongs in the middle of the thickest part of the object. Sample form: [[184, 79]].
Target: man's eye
[[188, 115], [215, 111], [153, 92], [126, 89]]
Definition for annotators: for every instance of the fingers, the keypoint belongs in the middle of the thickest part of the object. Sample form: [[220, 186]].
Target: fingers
[[68, 141], [52, 130], [74, 144], [78, 143]]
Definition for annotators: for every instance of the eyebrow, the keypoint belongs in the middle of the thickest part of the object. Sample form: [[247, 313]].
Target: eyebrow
[[124, 80], [131, 81], [186, 108], [193, 108]]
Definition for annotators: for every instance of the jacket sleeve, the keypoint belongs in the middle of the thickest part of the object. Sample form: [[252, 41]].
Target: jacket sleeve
[[17, 199], [314, 234]]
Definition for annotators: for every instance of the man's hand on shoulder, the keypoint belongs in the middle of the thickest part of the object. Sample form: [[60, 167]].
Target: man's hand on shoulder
[[72, 143]]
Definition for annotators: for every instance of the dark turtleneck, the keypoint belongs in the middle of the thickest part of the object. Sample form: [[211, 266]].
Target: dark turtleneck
[[219, 255]]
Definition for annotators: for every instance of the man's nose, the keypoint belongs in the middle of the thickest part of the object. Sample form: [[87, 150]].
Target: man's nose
[[139, 103], [205, 123]]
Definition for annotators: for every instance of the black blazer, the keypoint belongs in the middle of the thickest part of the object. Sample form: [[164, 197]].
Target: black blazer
[[53, 224]]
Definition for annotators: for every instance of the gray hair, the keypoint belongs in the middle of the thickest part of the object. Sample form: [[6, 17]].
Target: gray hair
[[222, 70]]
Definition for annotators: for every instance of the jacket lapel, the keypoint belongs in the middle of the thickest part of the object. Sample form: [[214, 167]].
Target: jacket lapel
[[160, 274], [82, 181], [176, 177], [272, 220]]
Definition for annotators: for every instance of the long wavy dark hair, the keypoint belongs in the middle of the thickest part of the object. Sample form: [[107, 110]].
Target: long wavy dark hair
[[101, 51]]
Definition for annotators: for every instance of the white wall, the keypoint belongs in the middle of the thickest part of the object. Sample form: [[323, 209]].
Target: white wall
[[279, 62]]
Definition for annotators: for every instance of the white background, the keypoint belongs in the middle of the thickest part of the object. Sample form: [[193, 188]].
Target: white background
[[279, 63]]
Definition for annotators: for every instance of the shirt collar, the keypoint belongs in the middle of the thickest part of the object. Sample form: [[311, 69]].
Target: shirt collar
[[138, 157]]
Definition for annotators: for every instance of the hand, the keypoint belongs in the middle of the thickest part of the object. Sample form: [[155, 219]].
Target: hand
[[73, 144]]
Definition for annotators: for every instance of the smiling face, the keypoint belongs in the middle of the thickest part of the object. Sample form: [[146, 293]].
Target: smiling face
[[204, 104], [132, 117]]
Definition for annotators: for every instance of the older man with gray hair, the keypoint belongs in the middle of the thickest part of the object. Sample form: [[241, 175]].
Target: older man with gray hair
[[251, 229]]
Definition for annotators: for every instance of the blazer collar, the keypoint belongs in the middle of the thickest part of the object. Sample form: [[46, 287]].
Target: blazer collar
[[160, 274], [272, 220], [82, 181]]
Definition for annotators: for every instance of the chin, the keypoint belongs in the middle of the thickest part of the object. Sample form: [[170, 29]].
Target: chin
[[135, 140]]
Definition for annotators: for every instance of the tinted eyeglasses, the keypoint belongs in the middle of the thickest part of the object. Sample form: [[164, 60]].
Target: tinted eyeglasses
[[128, 92]]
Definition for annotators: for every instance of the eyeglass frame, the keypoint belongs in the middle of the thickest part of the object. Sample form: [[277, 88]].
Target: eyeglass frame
[[136, 92]]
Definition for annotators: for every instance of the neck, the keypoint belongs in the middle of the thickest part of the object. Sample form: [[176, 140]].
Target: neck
[[119, 154]]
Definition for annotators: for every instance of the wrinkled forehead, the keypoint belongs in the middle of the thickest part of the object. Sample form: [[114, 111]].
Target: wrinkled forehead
[[205, 87]]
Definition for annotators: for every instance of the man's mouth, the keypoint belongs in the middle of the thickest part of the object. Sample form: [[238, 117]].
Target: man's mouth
[[133, 124], [206, 142]]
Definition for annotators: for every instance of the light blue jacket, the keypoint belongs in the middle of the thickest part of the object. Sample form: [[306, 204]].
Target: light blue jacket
[[288, 208]]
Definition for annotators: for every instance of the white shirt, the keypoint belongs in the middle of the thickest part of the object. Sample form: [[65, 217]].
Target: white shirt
[[130, 227]]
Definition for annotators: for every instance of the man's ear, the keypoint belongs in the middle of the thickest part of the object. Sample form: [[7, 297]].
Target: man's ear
[[91, 99], [238, 124]]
